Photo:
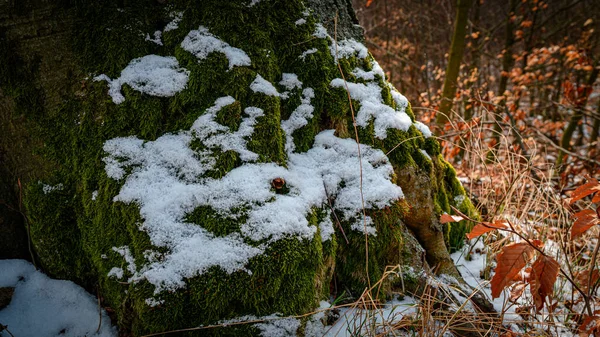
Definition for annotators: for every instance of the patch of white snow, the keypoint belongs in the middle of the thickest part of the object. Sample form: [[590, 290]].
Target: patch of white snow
[[41, 306], [263, 86], [201, 43], [152, 74]]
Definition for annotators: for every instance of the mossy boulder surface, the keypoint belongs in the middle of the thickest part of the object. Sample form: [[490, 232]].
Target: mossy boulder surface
[[202, 166]]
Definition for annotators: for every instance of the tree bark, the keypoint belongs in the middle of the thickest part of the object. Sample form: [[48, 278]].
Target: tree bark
[[507, 64], [565, 141], [457, 49]]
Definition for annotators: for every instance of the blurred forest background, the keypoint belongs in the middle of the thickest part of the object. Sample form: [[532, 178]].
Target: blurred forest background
[[518, 115], [528, 75]]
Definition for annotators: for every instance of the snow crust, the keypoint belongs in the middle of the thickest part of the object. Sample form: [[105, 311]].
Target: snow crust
[[42, 306], [165, 178], [424, 129], [174, 24], [300, 22], [298, 118], [290, 81], [263, 86], [152, 74], [372, 107], [307, 52], [156, 38], [201, 43], [49, 188]]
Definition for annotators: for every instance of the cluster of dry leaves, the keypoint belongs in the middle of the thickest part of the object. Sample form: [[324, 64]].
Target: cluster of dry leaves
[[526, 263]]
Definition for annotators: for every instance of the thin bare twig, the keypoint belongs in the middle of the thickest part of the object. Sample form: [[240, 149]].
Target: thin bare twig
[[362, 197], [337, 221]]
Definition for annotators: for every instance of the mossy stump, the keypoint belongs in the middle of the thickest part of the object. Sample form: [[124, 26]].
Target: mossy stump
[[254, 89]]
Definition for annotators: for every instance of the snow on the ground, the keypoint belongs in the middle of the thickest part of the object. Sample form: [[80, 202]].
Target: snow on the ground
[[355, 320], [470, 271], [351, 322], [44, 307]]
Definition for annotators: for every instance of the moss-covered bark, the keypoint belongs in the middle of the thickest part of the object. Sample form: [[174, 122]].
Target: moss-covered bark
[[79, 229]]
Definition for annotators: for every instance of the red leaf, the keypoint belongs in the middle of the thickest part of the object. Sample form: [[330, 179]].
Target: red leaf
[[591, 187], [510, 262], [485, 227], [445, 218], [586, 219], [544, 273]]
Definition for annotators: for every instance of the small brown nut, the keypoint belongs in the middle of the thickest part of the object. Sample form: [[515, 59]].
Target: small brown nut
[[278, 183]]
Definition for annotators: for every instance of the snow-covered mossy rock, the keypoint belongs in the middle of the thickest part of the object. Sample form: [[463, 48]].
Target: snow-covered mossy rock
[[195, 161]]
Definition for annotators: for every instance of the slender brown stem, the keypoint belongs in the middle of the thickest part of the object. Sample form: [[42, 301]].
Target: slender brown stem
[[362, 198], [335, 215], [593, 266]]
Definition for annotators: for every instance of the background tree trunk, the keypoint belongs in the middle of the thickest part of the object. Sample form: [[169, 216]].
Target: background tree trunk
[[454, 59]]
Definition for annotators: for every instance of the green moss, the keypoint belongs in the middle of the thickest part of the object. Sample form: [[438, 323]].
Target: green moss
[[385, 249]]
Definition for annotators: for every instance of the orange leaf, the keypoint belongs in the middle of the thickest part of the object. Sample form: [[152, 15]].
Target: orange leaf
[[369, 2], [510, 262], [445, 218], [583, 278], [517, 291], [591, 187], [485, 227], [590, 325], [544, 273], [586, 219]]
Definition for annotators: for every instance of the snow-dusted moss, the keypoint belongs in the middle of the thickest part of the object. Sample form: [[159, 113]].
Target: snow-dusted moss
[[168, 201]]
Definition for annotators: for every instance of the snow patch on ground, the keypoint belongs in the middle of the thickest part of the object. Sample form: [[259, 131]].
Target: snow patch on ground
[[470, 271], [42, 306], [152, 74], [201, 43]]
